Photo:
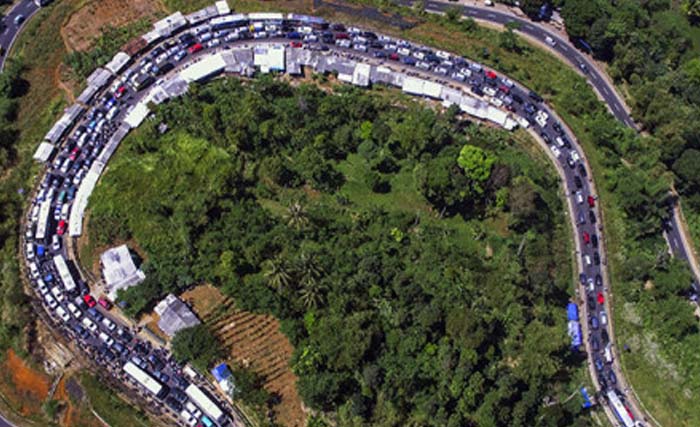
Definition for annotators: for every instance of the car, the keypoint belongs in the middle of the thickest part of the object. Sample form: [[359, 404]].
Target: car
[[591, 217], [55, 243], [600, 298], [182, 383], [296, 44], [612, 377], [80, 331], [62, 314], [74, 310], [582, 170], [33, 270], [581, 218], [92, 327], [95, 314], [591, 201], [579, 197], [596, 258], [546, 138], [578, 182], [89, 300], [43, 289], [550, 41], [490, 75], [193, 409], [120, 349], [598, 280], [583, 278], [188, 418], [106, 338], [598, 363], [595, 345], [555, 151], [178, 395], [104, 302], [57, 293], [18, 20], [120, 91], [156, 362], [61, 228], [535, 97], [604, 335], [594, 322], [591, 285], [173, 404], [109, 324], [603, 318], [591, 302], [583, 67], [587, 260], [594, 240], [195, 48], [178, 56], [586, 238]]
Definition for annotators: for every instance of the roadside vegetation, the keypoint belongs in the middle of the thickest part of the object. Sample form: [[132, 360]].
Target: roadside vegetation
[[418, 264], [653, 318]]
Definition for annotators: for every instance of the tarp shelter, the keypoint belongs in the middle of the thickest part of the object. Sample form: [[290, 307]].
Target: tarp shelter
[[43, 152], [175, 315], [202, 15], [118, 62], [168, 25], [207, 67], [99, 78], [269, 58], [222, 7], [86, 95], [119, 270], [66, 121], [360, 76]]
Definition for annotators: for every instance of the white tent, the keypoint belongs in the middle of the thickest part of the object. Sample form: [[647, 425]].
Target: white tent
[[137, 115], [43, 152], [269, 58], [207, 67], [118, 62]]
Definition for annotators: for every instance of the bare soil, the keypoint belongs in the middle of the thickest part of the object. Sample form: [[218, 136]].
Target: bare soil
[[85, 25], [24, 387], [255, 341], [76, 412]]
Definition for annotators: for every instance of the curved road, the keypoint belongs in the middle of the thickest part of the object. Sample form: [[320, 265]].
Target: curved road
[[9, 31]]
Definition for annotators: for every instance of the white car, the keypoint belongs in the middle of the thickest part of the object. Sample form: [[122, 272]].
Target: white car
[[587, 260], [62, 314], [495, 101], [541, 118], [43, 289], [108, 324], [50, 301], [560, 141], [106, 339], [523, 122], [555, 151], [550, 41], [193, 409], [30, 250], [507, 82], [34, 270], [189, 419], [74, 310], [574, 156], [57, 293], [591, 288], [488, 90], [608, 354], [579, 197], [603, 318], [89, 324], [55, 242]]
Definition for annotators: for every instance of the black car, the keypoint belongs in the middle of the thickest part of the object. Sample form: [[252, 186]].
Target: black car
[[173, 404], [82, 332], [476, 90], [546, 138], [598, 280], [596, 258], [180, 382], [583, 278], [516, 98], [178, 395], [156, 362], [557, 128], [578, 182], [612, 377], [591, 217], [582, 170], [591, 302], [598, 363], [604, 335], [594, 240], [595, 345], [533, 95], [570, 162]]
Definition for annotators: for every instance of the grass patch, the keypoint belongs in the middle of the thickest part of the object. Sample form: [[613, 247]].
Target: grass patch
[[115, 411]]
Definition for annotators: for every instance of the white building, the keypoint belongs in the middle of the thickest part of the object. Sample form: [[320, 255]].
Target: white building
[[174, 315], [269, 58], [119, 271]]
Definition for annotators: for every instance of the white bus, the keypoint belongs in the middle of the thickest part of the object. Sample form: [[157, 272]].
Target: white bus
[[205, 403], [621, 412], [145, 379], [43, 219], [64, 273]]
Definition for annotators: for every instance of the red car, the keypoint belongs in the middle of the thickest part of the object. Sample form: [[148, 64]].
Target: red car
[[591, 201], [601, 298], [61, 227], [490, 75], [296, 44], [89, 300], [195, 48], [120, 91], [74, 153], [104, 303], [505, 89], [586, 238], [394, 57]]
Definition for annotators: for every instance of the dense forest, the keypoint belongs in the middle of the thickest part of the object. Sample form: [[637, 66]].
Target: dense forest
[[418, 263]]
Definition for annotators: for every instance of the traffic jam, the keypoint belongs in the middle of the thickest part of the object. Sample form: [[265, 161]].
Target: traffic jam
[[87, 319]]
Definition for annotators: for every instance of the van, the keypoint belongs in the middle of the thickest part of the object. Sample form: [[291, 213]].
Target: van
[[550, 41], [607, 353], [30, 250]]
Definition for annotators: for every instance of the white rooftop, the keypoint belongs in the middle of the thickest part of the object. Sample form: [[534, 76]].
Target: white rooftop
[[269, 58], [174, 315], [43, 153], [119, 270]]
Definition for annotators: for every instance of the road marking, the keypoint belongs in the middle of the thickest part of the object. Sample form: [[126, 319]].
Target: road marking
[[564, 48], [529, 27], [491, 15]]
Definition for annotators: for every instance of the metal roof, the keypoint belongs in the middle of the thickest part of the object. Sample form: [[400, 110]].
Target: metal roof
[[119, 270], [175, 315]]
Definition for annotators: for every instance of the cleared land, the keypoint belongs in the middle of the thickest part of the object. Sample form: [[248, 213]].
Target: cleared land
[[254, 341], [21, 386]]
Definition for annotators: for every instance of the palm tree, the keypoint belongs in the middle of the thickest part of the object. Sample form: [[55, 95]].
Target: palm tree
[[277, 273], [297, 216], [307, 266], [311, 293]]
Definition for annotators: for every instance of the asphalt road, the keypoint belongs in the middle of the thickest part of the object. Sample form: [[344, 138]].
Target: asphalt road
[[5, 423], [26, 8]]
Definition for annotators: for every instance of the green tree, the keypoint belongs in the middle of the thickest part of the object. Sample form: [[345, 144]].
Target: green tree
[[196, 345], [477, 165]]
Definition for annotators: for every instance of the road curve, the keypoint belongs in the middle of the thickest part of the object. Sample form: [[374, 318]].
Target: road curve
[[4, 422], [9, 31]]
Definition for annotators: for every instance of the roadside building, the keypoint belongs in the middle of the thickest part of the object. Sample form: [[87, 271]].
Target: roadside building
[[119, 271], [174, 315], [223, 377], [269, 58]]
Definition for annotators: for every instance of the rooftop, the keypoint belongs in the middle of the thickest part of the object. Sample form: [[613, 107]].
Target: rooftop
[[174, 315], [119, 270]]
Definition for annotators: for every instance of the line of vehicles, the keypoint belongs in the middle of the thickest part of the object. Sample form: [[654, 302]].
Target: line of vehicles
[[162, 378]]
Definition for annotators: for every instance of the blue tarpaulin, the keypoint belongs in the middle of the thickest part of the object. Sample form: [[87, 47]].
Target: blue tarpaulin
[[221, 372], [572, 312], [586, 398]]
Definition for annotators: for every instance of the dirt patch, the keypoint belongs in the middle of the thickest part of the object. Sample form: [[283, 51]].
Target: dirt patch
[[86, 24], [256, 342], [24, 387], [76, 411]]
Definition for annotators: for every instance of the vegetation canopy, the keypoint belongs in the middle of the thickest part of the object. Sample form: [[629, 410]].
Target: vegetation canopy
[[419, 264]]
